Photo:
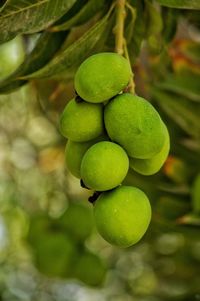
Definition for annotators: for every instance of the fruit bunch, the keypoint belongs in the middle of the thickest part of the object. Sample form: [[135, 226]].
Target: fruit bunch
[[58, 246], [109, 131]]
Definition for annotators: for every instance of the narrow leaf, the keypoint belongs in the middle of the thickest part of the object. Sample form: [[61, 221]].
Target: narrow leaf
[[189, 219], [188, 4], [183, 112], [186, 84], [87, 12], [75, 53], [20, 16]]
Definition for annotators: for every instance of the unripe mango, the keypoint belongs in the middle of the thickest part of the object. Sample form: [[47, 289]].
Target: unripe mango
[[75, 151], [152, 165], [12, 54], [122, 215], [77, 221], [55, 255], [102, 76], [133, 123], [90, 269], [104, 166], [81, 121]]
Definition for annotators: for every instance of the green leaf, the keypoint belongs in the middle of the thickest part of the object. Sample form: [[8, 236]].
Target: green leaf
[[195, 195], [183, 112], [170, 21], [46, 46], [189, 219], [186, 84], [71, 12], [87, 12], [20, 16], [129, 27], [154, 20], [139, 31], [75, 53], [188, 4]]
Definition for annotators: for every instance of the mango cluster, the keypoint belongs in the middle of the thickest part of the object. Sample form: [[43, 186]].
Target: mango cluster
[[58, 246], [108, 132]]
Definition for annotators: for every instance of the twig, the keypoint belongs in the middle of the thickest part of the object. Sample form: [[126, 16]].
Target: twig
[[131, 87], [119, 30]]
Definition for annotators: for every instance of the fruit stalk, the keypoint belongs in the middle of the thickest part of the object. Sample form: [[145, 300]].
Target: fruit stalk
[[131, 86], [119, 34], [120, 41]]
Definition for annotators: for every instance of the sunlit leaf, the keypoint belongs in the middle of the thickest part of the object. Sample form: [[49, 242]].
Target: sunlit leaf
[[87, 11], [19, 16], [75, 53], [188, 4]]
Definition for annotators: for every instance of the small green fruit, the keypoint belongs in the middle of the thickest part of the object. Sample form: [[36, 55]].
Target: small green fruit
[[102, 76], [122, 215], [11, 56], [90, 269], [77, 221], [39, 224], [104, 166], [82, 121], [133, 122], [151, 166], [74, 153], [55, 255]]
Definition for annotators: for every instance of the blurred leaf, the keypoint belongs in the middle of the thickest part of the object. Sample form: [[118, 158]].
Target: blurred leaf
[[154, 19], [130, 20], [139, 30], [181, 189], [19, 16], [183, 112], [195, 195], [171, 207], [154, 27], [188, 4], [75, 53], [192, 144], [46, 46], [193, 51], [189, 219], [177, 170], [87, 12], [170, 22], [186, 84]]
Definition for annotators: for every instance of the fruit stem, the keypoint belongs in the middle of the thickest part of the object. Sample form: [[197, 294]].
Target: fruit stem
[[119, 29], [120, 41], [131, 86]]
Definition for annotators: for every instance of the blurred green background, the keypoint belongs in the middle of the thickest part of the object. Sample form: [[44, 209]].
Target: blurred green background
[[49, 247]]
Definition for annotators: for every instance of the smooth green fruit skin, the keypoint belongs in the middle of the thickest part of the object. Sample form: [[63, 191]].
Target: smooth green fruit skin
[[11, 56], [132, 122], [55, 255], [81, 122], [90, 269], [151, 166], [77, 221], [104, 166], [102, 76], [122, 215], [75, 151]]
